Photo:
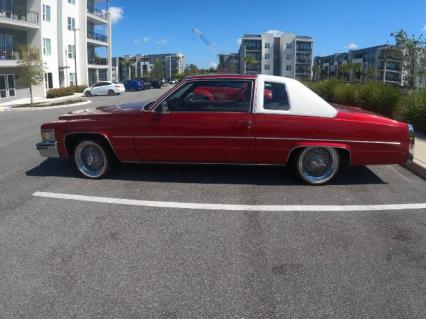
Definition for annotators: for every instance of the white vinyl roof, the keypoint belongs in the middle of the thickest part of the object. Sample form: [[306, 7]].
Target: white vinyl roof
[[302, 100]]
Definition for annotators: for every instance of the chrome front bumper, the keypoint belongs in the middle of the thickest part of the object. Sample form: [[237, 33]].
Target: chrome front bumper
[[412, 142], [48, 149]]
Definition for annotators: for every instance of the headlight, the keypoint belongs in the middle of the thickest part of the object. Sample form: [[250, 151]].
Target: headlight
[[48, 135]]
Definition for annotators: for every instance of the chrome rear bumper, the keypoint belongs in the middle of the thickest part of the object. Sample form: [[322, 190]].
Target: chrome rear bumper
[[48, 149]]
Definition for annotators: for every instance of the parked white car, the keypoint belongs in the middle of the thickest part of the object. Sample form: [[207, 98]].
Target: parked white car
[[105, 88]]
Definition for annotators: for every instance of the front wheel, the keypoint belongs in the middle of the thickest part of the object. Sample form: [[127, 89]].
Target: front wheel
[[92, 159], [317, 165], [88, 94]]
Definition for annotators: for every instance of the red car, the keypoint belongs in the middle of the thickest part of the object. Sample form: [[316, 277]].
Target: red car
[[238, 119]]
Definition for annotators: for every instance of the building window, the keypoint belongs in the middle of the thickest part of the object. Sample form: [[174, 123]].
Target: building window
[[267, 67], [289, 56], [46, 13], [71, 24], [47, 47], [267, 45], [72, 78], [7, 85], [71, 52], [288, 67], [267, 56], [71, 1], [288, 46]]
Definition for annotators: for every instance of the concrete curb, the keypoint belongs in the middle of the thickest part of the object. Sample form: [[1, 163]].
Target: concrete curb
[[417, 169], [41, 108]]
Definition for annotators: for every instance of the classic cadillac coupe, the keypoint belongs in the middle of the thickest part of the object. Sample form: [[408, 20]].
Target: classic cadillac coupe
[[232, 119]]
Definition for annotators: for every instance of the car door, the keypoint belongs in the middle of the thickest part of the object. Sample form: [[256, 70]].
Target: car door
[[202, 121], [96, 89]]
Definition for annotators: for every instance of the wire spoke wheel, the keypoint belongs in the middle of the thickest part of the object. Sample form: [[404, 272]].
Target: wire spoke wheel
[[318, 165], [91, 159]]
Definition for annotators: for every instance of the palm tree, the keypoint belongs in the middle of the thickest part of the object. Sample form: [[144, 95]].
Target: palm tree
[[249, 60]]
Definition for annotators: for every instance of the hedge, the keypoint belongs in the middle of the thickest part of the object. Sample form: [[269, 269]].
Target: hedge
[[391, 101], [413, 109], [65, 91]]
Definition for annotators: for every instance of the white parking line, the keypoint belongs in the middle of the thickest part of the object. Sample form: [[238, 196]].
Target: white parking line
[[232, 207]]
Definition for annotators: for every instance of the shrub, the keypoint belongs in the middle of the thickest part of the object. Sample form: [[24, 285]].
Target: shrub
[[413, 108], [345, 94], [378, 97], [79, 88], [65, 91], [324, 88]]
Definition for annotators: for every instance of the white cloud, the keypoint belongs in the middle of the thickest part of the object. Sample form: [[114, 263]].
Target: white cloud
[[213, 65], [351, 46], [276, 33], [162, 42], [146, 39], [116, 14], [424, 29], [238, 42], [136, 41]]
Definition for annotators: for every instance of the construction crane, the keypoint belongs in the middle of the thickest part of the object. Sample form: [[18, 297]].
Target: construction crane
[[196, 33]]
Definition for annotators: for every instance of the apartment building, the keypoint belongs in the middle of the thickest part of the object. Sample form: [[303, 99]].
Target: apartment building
[[142, 65], [72, 36], [283, 54], [374, 63]]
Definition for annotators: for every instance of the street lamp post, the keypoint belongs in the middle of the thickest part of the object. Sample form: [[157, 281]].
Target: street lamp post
[[75, 55]]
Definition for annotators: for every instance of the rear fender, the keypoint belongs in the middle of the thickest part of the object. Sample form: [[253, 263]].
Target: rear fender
[[339, 146]]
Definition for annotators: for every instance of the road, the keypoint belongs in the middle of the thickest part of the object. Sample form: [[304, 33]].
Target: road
[[62, 258]]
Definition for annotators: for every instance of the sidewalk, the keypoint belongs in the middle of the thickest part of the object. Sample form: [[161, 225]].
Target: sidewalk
[[12, 104], [419, 164]]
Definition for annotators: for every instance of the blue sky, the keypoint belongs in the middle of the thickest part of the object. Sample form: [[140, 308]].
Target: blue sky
[[165, 26]]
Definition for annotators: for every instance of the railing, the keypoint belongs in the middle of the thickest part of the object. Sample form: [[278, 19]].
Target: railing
[[99, 13], [9, 55], [98, 61], [97, 36], [27, 16]]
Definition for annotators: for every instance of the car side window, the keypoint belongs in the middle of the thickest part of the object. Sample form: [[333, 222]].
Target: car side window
[[275, 97], [212, 96]]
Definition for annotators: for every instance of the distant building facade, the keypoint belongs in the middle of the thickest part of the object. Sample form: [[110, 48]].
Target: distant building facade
[[141, 66], [229, 63], [373, 63], [283, 54]]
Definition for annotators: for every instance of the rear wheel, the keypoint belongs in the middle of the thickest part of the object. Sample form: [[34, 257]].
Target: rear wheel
[[111, 93], [92, 158], [317, 165]]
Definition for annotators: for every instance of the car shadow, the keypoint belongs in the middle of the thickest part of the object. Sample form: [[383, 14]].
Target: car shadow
[[205, 174]]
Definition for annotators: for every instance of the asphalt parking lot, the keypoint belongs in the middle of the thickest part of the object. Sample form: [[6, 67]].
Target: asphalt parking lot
[[65, 258]]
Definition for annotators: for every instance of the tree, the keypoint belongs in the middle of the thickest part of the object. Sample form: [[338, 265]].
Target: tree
[[30, 68], [316, 71], [388, 54], [412, 49], [250, 60], [158, 71], [127, 64]]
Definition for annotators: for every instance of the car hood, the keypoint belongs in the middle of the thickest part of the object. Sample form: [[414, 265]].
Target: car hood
[[126, 108]]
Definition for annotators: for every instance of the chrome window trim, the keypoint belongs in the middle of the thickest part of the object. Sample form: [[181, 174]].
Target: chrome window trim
[[184, 82]]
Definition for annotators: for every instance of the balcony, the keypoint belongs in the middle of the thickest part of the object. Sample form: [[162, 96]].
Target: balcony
[[97, 16], [97, 61], [9, 55], [97, 39], [20, 20]]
